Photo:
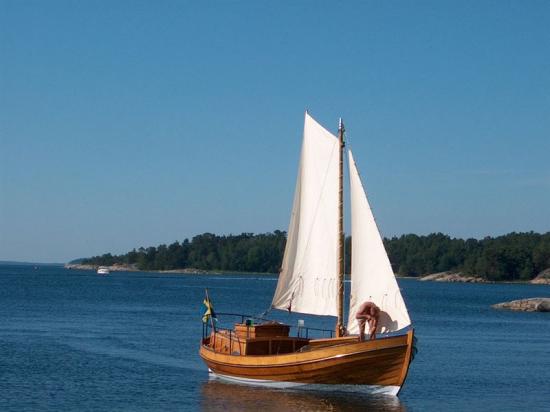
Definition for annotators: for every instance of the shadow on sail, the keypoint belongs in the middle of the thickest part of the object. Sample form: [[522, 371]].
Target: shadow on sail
[[385, 322]]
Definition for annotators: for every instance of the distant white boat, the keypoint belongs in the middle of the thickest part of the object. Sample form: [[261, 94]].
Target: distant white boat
[[102, 270]]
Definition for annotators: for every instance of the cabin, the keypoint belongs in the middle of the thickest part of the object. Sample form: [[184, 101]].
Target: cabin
[[269, 338]]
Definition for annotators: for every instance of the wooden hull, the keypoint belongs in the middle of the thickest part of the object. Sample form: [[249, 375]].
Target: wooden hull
[[381, 363]]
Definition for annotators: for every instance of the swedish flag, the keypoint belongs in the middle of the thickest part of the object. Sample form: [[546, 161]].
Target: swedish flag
[[209, 312]]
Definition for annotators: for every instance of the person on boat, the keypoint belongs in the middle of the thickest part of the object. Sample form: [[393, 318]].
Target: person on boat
[[368, 312]]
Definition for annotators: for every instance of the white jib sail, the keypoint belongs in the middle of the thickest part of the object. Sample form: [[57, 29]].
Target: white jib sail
[[372, 277], [308, 278]]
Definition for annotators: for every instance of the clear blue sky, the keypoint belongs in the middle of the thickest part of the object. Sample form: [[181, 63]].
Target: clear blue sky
[[128, 124]]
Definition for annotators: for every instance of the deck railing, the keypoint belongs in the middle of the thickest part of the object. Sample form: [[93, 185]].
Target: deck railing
[[300, 331]]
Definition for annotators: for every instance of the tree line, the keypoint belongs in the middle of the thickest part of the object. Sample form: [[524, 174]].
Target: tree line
[[246, 252], [515, 256]]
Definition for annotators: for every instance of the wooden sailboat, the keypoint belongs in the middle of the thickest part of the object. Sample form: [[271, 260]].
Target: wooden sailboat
[[312, 282]]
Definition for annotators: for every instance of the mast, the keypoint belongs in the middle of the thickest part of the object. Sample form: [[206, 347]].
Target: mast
[[340, 330]]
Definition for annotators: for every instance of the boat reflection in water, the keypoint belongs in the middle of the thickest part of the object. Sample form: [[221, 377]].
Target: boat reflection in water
[[220, 396]]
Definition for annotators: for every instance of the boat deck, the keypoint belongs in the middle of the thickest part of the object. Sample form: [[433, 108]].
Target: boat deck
[[270, 338]]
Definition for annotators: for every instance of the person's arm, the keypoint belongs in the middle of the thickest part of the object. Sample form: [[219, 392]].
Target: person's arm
[[361, 329], [373, 326]]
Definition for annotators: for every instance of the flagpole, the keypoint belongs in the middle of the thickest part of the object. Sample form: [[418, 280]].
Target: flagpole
[[210, 309]]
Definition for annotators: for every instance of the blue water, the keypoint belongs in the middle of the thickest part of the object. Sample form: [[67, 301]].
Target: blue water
[[73, 340]]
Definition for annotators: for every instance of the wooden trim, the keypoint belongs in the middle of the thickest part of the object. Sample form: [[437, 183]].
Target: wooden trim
[[405, 370]]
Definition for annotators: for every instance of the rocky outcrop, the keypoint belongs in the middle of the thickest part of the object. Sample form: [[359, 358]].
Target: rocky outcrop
[[134, 268], [190, 270], [112, 268], [526, 305], [75, 266], [453, 277], [543, 278]]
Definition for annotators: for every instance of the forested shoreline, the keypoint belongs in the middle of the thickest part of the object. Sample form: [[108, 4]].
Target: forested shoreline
[[511, 257]]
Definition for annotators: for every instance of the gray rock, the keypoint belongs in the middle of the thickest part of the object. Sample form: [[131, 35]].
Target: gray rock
[[543, 278], [526, 305], [452, 277], [543, 306]]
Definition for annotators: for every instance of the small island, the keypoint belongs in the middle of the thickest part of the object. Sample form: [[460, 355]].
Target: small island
[[542, 278], [526, 305], [453, 277]]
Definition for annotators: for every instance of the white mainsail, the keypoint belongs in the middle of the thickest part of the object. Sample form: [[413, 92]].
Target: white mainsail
[[372, 277], [308, 279]]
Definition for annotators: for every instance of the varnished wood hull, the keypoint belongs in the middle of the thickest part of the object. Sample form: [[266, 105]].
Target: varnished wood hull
[[380, 363]]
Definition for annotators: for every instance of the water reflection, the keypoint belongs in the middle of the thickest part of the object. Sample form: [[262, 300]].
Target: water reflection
[[220, 396]]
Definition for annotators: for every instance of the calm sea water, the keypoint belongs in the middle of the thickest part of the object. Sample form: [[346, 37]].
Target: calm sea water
[[72, 340]]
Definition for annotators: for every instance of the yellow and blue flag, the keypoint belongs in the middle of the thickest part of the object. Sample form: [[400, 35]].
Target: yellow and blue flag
[[209, 312]]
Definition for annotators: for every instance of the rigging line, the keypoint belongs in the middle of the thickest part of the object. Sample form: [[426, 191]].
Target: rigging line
[[348, 140], [265, 313], [350, 144], [379, 237], [368, 203]]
